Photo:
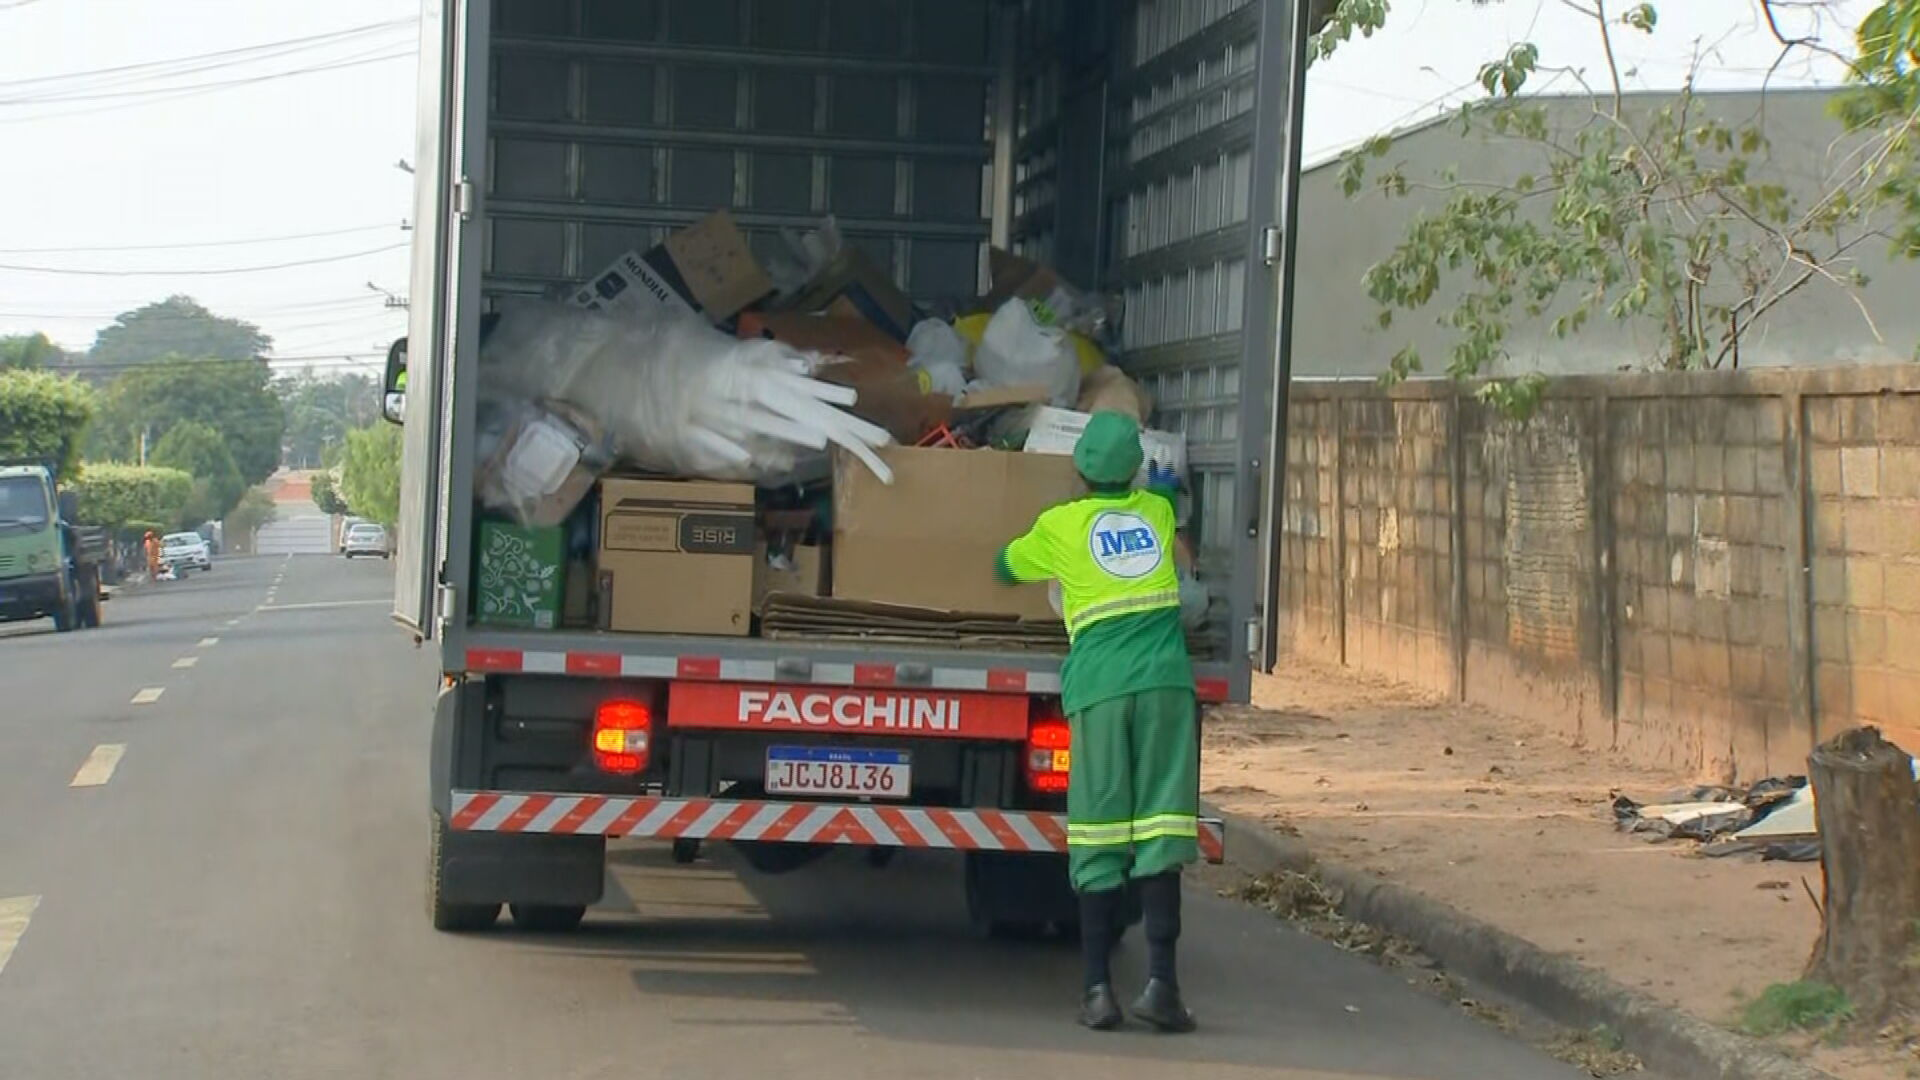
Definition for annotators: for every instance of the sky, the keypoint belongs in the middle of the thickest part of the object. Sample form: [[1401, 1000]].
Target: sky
[[155, 146]]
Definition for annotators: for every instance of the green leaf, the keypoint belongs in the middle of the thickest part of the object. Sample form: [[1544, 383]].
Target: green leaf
[[1642, 18]]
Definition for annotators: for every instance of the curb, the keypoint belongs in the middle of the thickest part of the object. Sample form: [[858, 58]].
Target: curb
[[1665, 1039]]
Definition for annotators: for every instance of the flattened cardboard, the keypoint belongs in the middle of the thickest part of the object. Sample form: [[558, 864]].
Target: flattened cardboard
[[676, 556], [830, 335], [853, 278], [705, 267], [932, 538], [805, 578]]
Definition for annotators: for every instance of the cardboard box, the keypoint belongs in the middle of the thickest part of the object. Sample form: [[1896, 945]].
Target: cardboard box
[[1054, 431], [705, 267], [851, 278], [931, 539], [892, 396], [804, 573], [830, 335], [676, 556], [519, 575]]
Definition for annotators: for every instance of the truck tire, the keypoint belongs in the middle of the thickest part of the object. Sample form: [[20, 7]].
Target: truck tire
[[90, 604], [446, 916], [548, 918], [685, 850], [66, 613]]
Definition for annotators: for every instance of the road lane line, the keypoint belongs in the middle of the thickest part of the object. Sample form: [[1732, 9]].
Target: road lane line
[[233, 622], [318, 604], [99, 766], [148, 696], [208, 642], [15, 911], [186, 661]]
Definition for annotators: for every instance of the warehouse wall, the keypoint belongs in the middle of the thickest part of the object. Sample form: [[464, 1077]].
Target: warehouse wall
[[1623, 565]]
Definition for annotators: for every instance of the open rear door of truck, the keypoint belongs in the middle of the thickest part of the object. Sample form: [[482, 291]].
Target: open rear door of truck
[[442, 210]]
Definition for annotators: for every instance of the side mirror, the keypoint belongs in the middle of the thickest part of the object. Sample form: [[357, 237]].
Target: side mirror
[[393, 393], [69, 506]]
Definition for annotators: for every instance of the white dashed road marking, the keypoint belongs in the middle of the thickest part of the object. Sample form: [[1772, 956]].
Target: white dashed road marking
[[322, 604], [209, 642], [99, 766], [186, 661], [15, 911], [148, 696]]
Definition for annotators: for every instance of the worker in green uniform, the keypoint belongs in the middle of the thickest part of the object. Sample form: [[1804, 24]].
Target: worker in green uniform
[[1134, 787]]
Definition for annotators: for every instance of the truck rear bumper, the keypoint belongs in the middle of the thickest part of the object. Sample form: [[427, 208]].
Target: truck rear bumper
[[864, 825]]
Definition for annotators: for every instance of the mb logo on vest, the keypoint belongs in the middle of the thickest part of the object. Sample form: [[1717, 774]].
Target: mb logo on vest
[[1124, 545]]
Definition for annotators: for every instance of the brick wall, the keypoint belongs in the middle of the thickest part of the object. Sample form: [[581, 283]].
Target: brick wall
[[1625, 564]]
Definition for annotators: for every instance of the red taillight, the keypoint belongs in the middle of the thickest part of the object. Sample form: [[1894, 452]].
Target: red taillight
[[1049, 755], [622, 734]]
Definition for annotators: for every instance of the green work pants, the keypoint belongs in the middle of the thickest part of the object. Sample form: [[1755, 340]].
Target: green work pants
[[1133, 794]]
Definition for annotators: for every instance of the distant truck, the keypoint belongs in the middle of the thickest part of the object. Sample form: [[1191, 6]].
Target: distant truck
[[49, 567]]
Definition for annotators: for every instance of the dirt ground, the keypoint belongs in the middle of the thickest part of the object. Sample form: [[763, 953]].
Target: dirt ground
[[1495, 816]]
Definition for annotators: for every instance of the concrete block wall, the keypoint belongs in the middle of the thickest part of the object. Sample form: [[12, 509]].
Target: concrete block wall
[[1864, 484], [1309, 584], [1395, 498], [1626, 565]]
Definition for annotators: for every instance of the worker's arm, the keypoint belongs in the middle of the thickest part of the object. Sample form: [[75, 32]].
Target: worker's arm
[[1028, 559]]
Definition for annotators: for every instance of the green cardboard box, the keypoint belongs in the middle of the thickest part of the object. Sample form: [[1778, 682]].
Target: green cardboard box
[[521, 575]]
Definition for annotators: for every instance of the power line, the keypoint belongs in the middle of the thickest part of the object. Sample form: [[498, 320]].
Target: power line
[[366, 57], [181, 93], [304, 305], [203, 273], [195, 245], [269, 48]]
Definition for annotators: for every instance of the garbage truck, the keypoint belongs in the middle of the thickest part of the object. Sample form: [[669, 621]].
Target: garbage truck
[[1146, 149], [49, 567]]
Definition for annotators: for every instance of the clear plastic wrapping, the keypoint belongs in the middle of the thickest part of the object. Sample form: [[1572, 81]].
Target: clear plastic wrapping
[[677, 396]]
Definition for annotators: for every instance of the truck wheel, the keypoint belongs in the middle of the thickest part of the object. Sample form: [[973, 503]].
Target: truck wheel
[[685, 850], [66, 614], [451, 917], [548, 918], [90, 606]]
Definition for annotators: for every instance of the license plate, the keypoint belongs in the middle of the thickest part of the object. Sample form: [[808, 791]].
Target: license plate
[[833, 770]]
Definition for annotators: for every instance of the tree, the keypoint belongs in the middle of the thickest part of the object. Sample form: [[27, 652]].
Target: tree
[[43, 415], [231, 397], [255, 512], [176, 326], [371, 475], [132, 498], [1649, 213], [320, 412], [1887, 72], [198, 450], [326, 494], [30, 351]]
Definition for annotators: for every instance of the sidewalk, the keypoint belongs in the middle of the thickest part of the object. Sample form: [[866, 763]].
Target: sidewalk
[[1499, 819]]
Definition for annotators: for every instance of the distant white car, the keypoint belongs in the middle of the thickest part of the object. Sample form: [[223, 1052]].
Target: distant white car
[[186, 551], [365, 540]]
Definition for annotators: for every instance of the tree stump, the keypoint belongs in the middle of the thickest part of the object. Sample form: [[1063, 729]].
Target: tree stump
[[1867, 806]]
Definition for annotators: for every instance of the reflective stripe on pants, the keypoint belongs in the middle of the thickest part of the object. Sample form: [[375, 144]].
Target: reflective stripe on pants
[[1133, 795]]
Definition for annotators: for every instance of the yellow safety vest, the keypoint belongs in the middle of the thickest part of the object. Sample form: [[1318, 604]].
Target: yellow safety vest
[[1112, 554]]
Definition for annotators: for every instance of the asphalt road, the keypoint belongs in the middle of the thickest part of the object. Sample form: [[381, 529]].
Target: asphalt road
[[237, 892]]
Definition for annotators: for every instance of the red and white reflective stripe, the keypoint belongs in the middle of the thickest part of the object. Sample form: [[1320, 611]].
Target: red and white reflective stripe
[[661, 818], [715, 669]]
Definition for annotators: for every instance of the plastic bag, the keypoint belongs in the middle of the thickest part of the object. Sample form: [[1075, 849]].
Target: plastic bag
[[678, 396], [1015, 350], [801, 257], [941, 354], [537, 460]]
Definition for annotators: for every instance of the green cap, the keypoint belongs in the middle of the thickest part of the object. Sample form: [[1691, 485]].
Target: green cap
[[1109, 449]]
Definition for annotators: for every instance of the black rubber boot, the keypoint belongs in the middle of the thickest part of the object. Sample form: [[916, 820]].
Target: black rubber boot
[[1160, 1006], [1160, 1003], [1099, 1011], [1100, 928]]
